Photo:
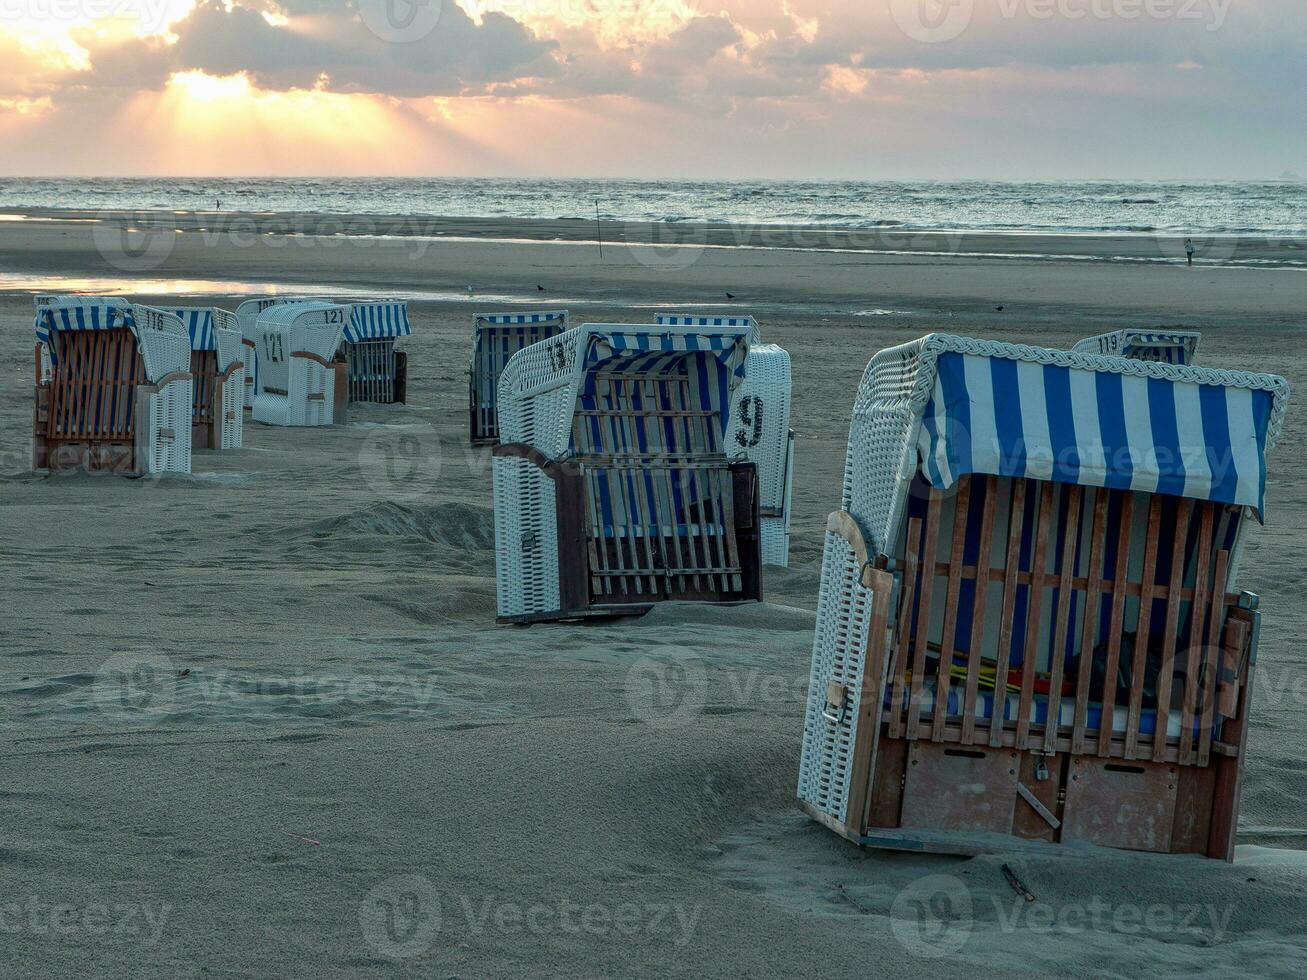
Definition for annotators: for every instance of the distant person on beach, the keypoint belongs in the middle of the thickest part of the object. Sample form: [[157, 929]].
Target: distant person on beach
[[217, 204], [1189, 249]]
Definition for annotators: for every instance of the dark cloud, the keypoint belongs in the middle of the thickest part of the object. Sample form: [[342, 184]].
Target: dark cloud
[[329, 47], [752, 50]]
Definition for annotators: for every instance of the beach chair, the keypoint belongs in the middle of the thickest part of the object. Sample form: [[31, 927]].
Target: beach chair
[[218, 374], [1166, 346], [377, 371], [247, 321], [612, 486], [1029, 632], [298, 382], [115, 392], [496, 337], [760, 428]]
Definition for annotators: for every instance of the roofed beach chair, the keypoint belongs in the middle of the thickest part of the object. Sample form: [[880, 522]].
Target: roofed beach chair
[[247, 321], [1029, 631], [377, 371], [760, 428], [116, 395], [613, 489], [1166, 346], [217, 418], [496, 337], [298, 383]]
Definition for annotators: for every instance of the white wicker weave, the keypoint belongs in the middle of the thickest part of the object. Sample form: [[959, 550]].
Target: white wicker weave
[[838, 655], [165, 347], [526, 538], [296, 386], [231, 426], [247, 321]]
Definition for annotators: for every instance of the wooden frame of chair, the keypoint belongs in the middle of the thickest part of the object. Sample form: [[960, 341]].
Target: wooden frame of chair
[[1115, 771], [85, 415]]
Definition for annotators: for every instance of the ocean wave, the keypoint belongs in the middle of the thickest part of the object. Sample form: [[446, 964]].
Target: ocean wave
[[1192, 208]]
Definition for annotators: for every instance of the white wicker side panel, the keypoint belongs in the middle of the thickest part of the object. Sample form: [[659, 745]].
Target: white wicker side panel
[[760, 432], [316, 404], [882, 450], [272, 409], [170, 428], [231, 427], [537, 394], [838, 654], [775, 541], [47, 367], [760, 420], [526, 538]]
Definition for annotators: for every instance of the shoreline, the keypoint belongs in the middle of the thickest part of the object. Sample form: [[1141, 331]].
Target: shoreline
[[1161, 248]]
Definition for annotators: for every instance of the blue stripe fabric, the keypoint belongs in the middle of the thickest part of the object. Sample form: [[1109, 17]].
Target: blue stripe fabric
[[1019, 418], [377, 321], [99, 315], [681, 320], [199, 324]]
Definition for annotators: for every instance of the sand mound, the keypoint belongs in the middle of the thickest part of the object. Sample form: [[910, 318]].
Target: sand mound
[[456, 525]]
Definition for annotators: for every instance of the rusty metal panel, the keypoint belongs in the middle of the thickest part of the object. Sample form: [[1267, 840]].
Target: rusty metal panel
[[960, 788], [1130, 805]]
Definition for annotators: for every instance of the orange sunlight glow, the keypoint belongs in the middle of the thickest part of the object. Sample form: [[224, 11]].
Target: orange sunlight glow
[[232, 124]]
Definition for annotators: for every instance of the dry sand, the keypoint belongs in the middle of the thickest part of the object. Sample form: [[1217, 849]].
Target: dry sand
[[333, 763]]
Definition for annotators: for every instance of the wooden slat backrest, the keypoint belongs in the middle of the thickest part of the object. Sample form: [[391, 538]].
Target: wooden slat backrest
[[1110, 591], [659, 508], [371, 365], [92, 388]]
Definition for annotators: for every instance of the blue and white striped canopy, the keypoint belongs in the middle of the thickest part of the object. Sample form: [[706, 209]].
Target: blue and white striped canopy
[[689, 320], [728, 347], [650, 352], [199, 324], [543, 316], [711, 362], [376, 321], [1166, 346], [92, 316], [1099, 421]]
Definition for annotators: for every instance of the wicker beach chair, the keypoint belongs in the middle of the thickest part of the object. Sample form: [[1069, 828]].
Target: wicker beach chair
[[612, 488], [114, 388], [378, 372], [1028, 631], [218, 373], [496, 337], [298, 382], [760, 427], [247, 321], [1166, 346]]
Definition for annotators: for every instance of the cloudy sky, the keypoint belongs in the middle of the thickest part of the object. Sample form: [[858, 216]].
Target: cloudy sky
[[795, 88]]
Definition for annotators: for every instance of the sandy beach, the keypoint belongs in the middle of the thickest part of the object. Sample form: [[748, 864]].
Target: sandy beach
[[335, 764]]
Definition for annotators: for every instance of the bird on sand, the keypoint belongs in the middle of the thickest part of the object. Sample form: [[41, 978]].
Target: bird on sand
[[540, 287], [730, 296]]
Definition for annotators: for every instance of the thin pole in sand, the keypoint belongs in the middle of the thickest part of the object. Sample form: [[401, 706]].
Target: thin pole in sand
[[599, 229]]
